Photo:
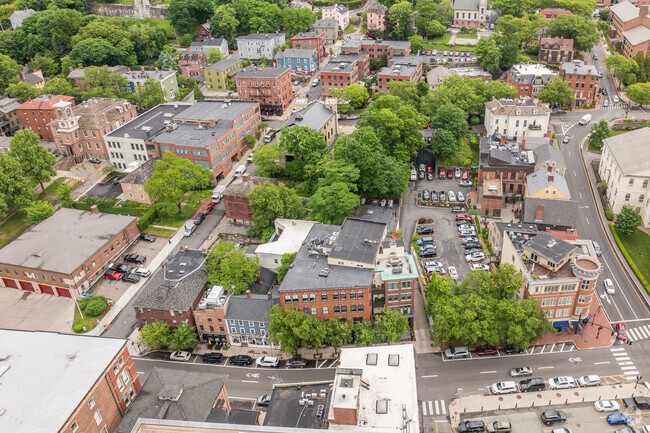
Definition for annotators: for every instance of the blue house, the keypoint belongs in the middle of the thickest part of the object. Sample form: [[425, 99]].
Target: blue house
[[245, 318], [301, 61]]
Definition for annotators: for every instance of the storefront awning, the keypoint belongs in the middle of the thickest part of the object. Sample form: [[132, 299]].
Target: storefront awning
[[561, 324]]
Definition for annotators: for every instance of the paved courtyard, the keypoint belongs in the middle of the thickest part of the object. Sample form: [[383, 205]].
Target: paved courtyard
[[30, 311]]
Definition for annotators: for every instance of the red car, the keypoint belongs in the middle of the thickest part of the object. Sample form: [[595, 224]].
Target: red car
[[463, 217], [465, 175], [487, 351], [208, 208], [450, 174], [621, 332], [112, 275], [429, 168], [442, 173]]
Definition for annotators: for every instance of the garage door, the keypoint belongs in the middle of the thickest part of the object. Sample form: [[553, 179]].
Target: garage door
[[64, 293], [46, 289], [26, 285], [10, 283]]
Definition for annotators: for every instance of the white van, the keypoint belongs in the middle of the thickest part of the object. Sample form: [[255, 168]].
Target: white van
[[240, 170], [585, 119]]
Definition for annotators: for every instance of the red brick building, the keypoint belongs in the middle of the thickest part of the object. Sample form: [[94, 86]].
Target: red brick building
[[555, 50], [79, 131], [36, 114], [270, 86], [376, 48], [203, 32], [404, 69], [235, 198], [97, 375], [66, 253], [345, 70], [583, 79], [174, 291], [529, 80], [552, 13], [310, 41], [192, 64]]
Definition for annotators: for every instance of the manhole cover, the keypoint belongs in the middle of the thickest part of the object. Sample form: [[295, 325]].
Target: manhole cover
[[500, 398], [539, 395], [557, 394], [518, 397], [576, 393]]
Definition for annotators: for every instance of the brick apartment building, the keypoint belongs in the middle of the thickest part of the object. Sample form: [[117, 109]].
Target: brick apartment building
[[66, 252], [403, 69], [376, 16], [203, 32], [349, 272], [345, 70], [552, 13], [555, 50], [270, 86], [97, 375], [376, 48], [9, 119], [560, 275], [36, 114], [631, 25], [314, 40], [79, 131], [583, 80], [235, 198], [173, 292], [192, 64], [529, 80]]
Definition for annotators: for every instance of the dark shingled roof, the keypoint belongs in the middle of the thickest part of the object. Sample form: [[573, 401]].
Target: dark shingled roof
[[253, 309], [142, 174], [245, 184], [554, 212], [548, 246]]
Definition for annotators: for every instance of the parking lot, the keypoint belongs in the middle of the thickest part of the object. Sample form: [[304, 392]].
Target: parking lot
[[437, 56], [108, 189]]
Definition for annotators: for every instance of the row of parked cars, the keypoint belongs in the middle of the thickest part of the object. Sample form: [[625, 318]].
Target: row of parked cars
[[469, 239], [128, 273], [539, 384], [198, 220], [241, 360]]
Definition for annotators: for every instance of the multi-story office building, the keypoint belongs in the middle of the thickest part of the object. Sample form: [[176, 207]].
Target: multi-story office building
[[37, 114], [583, 80], [271, 87]]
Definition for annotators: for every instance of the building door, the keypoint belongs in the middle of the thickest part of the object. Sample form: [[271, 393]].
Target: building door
[[27, 286], [10, 283], [46, 289], [64, 293]]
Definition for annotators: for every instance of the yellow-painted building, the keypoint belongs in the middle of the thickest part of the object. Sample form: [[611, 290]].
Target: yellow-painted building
[[218, 76], [547, 183]]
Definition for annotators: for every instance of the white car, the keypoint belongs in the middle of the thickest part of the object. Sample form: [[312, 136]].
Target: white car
[[479, 267], [460, 196], [606, 406], [452, 272], [609, 286], [267, 361], [475, 257], [180, 356], [507, 387], [142, 272], [451, 196], [467, 233], [615, 99], [521, 371], [315, 82], [589, 380], [189, 230], [561, 382]]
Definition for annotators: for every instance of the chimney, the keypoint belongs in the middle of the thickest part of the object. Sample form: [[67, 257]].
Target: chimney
[[246, 177], [248, 293], [549, 169], [269, 295], [550, 178], [523, 143], [94, 209], [213, 123], [575, 70], [503, 140], [132, 177], [70, 68]]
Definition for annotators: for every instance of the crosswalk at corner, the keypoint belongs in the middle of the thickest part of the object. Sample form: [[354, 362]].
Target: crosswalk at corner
[[640, 333], [434, 407], [623, 359]]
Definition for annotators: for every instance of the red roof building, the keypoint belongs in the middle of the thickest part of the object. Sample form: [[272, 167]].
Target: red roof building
[[37, 113], [310, 40], [552, 13]]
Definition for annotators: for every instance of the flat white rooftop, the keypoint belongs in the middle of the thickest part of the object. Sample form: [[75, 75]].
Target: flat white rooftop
[[294, 233]]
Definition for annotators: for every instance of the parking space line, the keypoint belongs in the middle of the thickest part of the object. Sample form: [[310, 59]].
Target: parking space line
[[251, 381], [542, 351], [552, 347], [543, 368], [488, 372], [562, 348], [572, 347]]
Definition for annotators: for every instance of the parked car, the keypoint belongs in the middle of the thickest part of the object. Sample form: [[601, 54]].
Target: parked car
[[441, 173], [180, 356], [464, 175], [451, 196], [463, 217], [457, 173], [642, 402], [532, 384], [135, 258], [480, 267], [605, 91], [421, 175], [189, 230], [432, 263], [487, 351], [425, 195], [450, 174], [457, 209], [507, 387], [142, 272], [122, 268], [263, 400], [110, 274], [521, 371], [561, 430], [425, 230], [208, 208], [606, 405], [457, 352], [615, 99], [465, 183], [453, 273], [609, 286], [628, 430], [471, 426], [297, 363], [466, 226], [561, 382], [621, 332], [131, 278], [469, 248], [199, 219], [212, 357], [267, 361], [428, 251], [589, 380], [475, 257], [566, 139], [94, 161], [510, 349], [499, 427], [147, 237], [460, 197], [241, 360], [429, 176], [469, 240], [619, 419], [552, 416], [424, 241], [443, 197], [434, 195]]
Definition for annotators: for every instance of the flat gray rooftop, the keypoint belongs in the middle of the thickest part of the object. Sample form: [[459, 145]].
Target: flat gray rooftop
[[150, 123], [549, 247], [351, 244]]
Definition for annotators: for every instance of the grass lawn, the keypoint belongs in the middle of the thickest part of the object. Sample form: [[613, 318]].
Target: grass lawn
[[467, 36], [595, 150], [160, 232], [12, 228], [350, 28], [444, 39], [192, 203], [463, 158], [87, 321], [637, 247]]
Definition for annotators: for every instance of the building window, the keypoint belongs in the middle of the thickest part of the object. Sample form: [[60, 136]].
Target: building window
[[313, 311], [344, 309], [91, 403], [295, 299], [326, 311], [74, 426], [360, 308], [641, 198], [312, 297], [631, 183], [627, 197], [645, 183], [343, 296], [305, 298], [287, 299], [337, 309], [98, 418], [323, 297], [360, 296], [335, 296]]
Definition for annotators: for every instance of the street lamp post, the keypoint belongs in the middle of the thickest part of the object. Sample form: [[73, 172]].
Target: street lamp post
[[598, 334]]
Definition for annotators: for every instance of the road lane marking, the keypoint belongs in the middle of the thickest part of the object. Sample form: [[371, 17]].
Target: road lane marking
[[542, 368], [430, 375], [618, 349], [587, 219], [488, 372], [250, 381], [601, 363], [580, 196], [140, 372]]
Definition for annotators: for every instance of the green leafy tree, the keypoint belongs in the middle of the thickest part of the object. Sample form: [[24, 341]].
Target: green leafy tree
[[435, 29], [179, 15], [444, 143], [48, 65], [22, 91], [9, 68], [270, 201], [33, 158], [333, 203], [407, 91], [357, 94], [639, 93], [623, 68], [417, 42], [148, 41], [365, 334], [149, 95], [582, 7], [224, 22], [599, 132], [603, 14], [228, 266], [489, 54], [313, 333], [285, 263], [391, 325], [156, 335], [304, 143], [515, 7], [263, 60], [267, 158], [520, 32], [399, 17], [61, 86], [557, 91], [184, 337], [16, 188], [296, 20], [337, 333], [627, 221], [451, 118], [581, 29], [173, 177], [214, 55], [283, 328], [339, 171], [94, 52], [38, 211], [64, 194], [186, 40], [118, 37]]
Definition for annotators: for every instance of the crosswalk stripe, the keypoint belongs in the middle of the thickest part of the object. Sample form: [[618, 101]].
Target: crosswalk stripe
[[631, 367], [424, 408], [442, 407], [431, 407], [617, 349], [437, 407], [641, 331], [629, 373], [627, 358], [631, 335], [647, 329], [626, 363]]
